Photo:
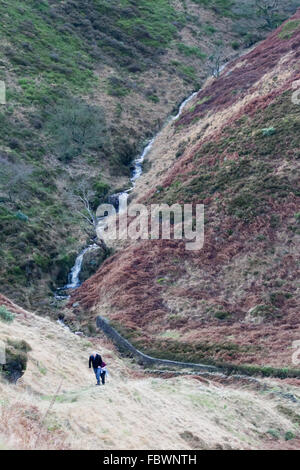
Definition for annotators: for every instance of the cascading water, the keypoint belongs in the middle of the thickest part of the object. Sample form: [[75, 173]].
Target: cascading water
[[183, 105], [138, 162], [73, 280], [75, 271]]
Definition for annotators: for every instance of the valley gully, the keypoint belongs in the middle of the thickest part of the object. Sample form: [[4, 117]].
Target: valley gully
[[137, 170]]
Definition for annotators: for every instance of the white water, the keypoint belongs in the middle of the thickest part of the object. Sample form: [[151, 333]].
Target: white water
[[74, 281], [138, 162], [61, 323], [75, 271], [183, 105]]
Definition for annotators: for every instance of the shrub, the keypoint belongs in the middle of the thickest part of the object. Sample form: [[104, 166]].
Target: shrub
[[297, 216], [191, 51], [209, 29], [117, 87], [6, 315], [188, 72], [42, 261], [101, 190], [235, 45], [244, 205], [21, 345], [16, 359], [274, 220], [274, 433], [265, 311], [153, 98], [124, 152], [222, 315], [250, 39], [75, 127], [289, 28], [278, 298], [21, 216], [181, 149], [289, 435], [268, 131]]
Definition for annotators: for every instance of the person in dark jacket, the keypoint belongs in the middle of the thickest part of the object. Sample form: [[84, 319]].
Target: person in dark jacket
[[96, 361], [103, 372]]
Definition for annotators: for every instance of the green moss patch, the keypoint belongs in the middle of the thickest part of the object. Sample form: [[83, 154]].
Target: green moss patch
[[289, 29]]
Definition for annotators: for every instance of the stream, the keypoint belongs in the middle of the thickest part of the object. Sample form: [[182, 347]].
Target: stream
[[137, 171]]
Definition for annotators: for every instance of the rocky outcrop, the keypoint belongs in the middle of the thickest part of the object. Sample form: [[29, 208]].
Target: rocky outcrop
[[91, 262], [15, 359]]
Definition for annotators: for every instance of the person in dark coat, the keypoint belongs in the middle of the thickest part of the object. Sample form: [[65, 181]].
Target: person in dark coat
[[103, 372], [96, 361]]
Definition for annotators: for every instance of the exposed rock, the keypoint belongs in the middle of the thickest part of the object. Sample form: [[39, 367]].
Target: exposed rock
[[15, 359], [91, 262]]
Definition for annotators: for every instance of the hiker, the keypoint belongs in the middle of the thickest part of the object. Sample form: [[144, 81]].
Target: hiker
[[104, 372], [96, 361]]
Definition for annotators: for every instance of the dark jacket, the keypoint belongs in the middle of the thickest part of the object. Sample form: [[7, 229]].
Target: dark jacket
[[96, 361]]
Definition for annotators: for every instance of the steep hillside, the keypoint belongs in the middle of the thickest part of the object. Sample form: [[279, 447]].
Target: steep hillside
[[87, 82], [55, 405], [236, 149]]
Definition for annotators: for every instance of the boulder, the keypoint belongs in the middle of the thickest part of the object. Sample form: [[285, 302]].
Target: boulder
[[15, 359], [91, 262]]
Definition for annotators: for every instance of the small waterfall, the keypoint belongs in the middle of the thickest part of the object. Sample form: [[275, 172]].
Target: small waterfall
[[73, 279], [183, 105], [61, 323], [138, 163], [75, 271]]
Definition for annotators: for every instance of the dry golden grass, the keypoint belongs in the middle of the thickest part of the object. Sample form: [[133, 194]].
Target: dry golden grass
[[163, 153], [133, 411]]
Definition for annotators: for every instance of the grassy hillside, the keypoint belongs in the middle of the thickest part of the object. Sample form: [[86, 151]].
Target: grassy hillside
[[55, 405], [236, 150], [87, 82]]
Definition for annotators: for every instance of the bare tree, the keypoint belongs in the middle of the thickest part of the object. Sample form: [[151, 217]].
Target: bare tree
[[80, 199], [13, 177], [215, 62], [267, 9]]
